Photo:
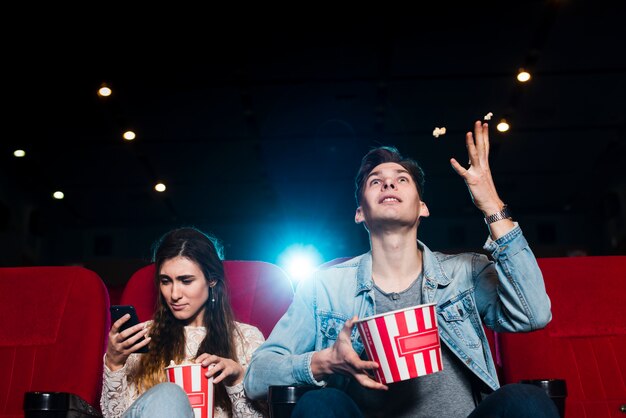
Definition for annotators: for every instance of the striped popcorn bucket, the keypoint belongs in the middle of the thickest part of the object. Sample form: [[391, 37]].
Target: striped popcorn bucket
[[199, 389], [405, 343]]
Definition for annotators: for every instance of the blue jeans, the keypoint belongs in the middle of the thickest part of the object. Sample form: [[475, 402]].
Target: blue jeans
[[165, 400], [516, 400], [512, 401]]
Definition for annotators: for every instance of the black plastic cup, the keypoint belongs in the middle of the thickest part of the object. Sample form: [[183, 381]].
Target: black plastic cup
[[556, 389], [282, 399]]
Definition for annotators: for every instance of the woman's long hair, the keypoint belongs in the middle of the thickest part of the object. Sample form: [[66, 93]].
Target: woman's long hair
[[167, 332]]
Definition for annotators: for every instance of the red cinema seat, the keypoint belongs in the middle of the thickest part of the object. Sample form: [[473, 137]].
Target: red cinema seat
[[585, 344], [54, 323], [260, 292]]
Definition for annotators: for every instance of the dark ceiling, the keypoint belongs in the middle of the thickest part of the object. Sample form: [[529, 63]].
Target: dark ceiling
[[257, 125]]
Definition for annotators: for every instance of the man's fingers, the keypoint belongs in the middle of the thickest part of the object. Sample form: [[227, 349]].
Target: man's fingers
[[458, 167], [472, 150], [370, 383], [481, 133], [350, 322], [348, 325], [486, 137]]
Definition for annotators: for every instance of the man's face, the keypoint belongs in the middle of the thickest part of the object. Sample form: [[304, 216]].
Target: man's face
[[390, 198]]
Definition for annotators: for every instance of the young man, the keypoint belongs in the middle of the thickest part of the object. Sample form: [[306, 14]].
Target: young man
[[316, 342]]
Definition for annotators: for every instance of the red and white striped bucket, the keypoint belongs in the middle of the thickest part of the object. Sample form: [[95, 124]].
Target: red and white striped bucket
[[199, 389], [405, 343]]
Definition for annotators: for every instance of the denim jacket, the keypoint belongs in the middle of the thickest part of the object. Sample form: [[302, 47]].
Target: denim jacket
[[469, 290]]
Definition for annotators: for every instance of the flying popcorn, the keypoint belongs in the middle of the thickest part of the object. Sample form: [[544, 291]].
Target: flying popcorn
[[488, 116], [439, 131]]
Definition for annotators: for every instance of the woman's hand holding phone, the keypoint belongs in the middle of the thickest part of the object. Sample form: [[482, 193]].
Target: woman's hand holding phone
[[126, 336]]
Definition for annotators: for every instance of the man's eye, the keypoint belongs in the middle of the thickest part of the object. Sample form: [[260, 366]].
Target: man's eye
[[374, 182], [403, 180]]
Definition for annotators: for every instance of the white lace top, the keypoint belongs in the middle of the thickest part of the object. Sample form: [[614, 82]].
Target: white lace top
[[118, 394]]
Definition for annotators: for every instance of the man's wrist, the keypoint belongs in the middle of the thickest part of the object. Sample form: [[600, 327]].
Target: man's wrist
[[504, 213], [320, 364]]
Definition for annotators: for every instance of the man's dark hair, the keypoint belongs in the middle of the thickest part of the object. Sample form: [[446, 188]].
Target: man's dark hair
[[387, 154]]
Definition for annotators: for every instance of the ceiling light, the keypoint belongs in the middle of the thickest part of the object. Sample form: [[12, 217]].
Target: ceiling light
[[503, 126], [129, 135], [104, 91], [160, 187], [58, 195], [19, 153], [523, 75]]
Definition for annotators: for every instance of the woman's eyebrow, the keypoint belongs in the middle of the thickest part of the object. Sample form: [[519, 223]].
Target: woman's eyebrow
[[181, 277]]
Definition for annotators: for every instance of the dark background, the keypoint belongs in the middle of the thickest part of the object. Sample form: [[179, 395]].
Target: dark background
[[257, 119]]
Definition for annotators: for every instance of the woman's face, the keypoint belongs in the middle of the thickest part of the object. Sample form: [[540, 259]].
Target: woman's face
[[185, 289]]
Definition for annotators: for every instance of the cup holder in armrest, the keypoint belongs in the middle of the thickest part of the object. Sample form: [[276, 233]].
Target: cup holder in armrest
[[282, 399], [57, 405]]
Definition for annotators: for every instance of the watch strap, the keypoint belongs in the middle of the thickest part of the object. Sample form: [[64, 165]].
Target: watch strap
[[505, 213]]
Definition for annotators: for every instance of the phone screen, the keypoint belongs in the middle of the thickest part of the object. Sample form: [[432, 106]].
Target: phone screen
[[118, 311]]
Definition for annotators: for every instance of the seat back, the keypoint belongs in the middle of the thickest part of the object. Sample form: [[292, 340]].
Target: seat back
[[260, 292], [54, 323], [585, 343]]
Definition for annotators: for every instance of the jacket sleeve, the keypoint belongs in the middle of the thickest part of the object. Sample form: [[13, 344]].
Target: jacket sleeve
[[285, 358], [510, 292]]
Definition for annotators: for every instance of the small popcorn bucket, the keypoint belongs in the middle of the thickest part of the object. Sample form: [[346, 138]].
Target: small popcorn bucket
[[405, 343], [199, 389]]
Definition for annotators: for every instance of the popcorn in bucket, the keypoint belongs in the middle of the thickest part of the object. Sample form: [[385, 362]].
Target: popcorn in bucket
[[199, 389], [405, 343]]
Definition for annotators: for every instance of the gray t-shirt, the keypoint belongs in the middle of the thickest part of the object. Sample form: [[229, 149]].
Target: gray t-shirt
[[447, 393]]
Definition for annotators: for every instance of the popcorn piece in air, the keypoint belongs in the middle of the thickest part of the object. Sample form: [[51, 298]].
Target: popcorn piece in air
[[439, 131], [488, 116]]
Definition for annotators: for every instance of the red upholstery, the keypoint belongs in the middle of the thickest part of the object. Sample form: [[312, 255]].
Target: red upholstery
[[53, 327], [585, 343], [260, 292]]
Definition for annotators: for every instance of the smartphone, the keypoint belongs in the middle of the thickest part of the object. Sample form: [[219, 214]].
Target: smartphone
[[118, 311]]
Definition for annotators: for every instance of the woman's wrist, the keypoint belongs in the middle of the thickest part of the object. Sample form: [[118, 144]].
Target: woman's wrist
[[110, 365]]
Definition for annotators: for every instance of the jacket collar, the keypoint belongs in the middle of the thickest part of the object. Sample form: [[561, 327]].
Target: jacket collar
[[433, 271]]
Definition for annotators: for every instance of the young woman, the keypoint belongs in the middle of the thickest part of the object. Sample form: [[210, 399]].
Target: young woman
[[193, 322]]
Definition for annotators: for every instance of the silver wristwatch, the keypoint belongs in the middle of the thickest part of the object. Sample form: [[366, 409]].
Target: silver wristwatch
[[505, 213]]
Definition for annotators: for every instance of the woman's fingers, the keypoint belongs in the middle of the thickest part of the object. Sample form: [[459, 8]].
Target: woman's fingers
[[223, 369], [139, 337], [117, 324], [138, 328]]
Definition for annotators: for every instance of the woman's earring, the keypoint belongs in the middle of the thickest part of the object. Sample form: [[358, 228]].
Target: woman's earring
[[211, 295]]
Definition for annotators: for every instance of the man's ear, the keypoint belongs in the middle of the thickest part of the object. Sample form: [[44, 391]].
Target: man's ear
[[358, 216], [424, 212]]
